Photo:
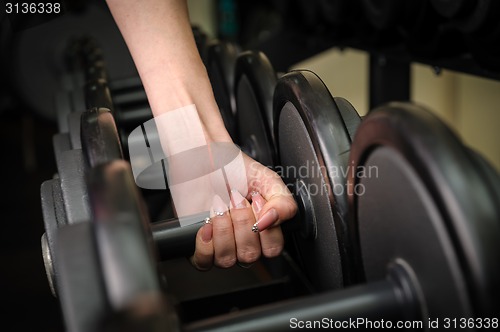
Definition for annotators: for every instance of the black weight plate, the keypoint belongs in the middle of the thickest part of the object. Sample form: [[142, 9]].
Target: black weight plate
[[349, 115], [425, 204], [490, 176], [123, 236], [80, 286], [221, 58], [255, 81], [71, 168], [312, 136], [99, 137]]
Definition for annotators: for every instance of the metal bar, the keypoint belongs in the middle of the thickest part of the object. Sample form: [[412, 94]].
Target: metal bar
[[374, 301], [389, 80]]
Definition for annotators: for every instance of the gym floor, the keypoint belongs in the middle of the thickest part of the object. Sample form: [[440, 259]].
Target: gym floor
[[26, 145]]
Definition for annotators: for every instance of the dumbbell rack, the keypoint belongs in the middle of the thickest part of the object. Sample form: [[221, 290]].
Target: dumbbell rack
[[338, 233]]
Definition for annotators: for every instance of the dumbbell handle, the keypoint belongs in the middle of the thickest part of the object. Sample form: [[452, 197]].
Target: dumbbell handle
[[362, 304], [174, 241]]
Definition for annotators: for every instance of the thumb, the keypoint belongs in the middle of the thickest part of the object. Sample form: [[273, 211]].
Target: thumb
[[274, 211]]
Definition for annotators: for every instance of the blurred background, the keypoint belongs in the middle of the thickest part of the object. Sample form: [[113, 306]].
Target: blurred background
[[444, 69]]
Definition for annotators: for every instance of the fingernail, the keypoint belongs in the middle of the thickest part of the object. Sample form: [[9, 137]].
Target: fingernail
[[218, 206], [206, 233], [257, 203], [238, 199], [266, 221]]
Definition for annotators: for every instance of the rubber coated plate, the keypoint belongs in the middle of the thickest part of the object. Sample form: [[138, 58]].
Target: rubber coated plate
[[419, 198], [313, 147], [99, 137], [79, 286], [255, 83], [123, 237], [71, 168]]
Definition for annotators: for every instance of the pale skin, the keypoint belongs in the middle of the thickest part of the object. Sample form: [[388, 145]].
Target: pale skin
[[159, 36]]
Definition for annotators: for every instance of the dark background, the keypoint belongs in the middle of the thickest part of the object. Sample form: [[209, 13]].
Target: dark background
[[27, 161]]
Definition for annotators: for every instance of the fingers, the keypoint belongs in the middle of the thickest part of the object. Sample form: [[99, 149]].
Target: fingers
[[228, 238], [271, 238], [278, 208], [204, 253], [248, 248], [223, 235], [279, 204]]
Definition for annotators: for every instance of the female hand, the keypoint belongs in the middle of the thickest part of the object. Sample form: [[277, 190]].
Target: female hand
[[250, 228]]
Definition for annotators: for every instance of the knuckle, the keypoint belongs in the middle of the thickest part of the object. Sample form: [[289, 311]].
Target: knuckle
[[241, 218], [272, 251], [225, 261], [223, 229], [248, 255]]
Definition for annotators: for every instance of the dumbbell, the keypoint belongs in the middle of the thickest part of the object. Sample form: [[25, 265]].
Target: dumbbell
[[220, 61], [433, 206], [416, 259], [426, 226], [306, 92], [255, 81], [313, 95]]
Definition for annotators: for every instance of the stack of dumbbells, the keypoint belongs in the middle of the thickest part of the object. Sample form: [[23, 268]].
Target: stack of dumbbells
[[397, 226]]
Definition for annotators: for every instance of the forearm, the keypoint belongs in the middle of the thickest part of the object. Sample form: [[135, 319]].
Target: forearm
[[159, 37]]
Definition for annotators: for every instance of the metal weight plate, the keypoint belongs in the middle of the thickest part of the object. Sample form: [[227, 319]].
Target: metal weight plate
[[99, 137], [221, 58], [417, 197], [80, 286], [71, 168], [123, 237], [491, 176], [255, 81], [313, 144]]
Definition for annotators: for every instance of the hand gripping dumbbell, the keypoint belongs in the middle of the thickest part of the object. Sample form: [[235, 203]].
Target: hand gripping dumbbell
[[425, 227], [419, 236], [165, 231], [309, 96]]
